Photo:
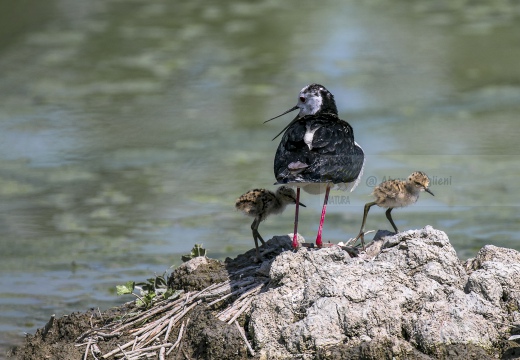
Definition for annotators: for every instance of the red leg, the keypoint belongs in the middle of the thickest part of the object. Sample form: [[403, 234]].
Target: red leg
[[295, 243], [323, 211]]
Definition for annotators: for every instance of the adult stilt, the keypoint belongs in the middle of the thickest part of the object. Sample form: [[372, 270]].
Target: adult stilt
[[317, 149]]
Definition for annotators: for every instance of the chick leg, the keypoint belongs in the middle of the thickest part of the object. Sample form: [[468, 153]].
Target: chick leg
[[389, 217], [361, 234], [256, 236]]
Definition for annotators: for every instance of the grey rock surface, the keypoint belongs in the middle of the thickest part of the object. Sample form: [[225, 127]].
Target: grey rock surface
[[412, 294]]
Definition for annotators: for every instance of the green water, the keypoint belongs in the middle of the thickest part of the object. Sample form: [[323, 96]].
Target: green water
[[128, 129]]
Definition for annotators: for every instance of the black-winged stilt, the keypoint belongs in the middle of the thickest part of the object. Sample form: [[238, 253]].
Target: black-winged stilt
[[317, 151]]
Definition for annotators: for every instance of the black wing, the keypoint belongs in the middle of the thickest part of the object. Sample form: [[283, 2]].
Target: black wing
[[332, 155]]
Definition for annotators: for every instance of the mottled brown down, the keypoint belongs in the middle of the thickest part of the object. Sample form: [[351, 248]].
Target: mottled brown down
[[395, 193], [260, 203]]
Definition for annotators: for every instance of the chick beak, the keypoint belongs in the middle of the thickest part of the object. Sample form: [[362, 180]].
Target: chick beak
[[428, 191]]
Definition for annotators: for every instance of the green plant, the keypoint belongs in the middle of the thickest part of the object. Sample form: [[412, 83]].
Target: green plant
[[197, 251], [154, 288]]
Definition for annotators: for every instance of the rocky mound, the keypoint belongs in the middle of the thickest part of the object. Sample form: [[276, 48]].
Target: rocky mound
[[412, 298], [408, 296]]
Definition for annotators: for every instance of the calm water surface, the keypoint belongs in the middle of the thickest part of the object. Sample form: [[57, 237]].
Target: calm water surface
[[128, 129]]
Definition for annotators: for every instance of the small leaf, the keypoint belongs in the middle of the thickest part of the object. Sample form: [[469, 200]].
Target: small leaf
[[172, 294], [160, 282], [146, 301], [127, 288]]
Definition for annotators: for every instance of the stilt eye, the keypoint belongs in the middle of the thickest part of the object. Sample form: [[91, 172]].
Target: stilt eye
[[302, 99]]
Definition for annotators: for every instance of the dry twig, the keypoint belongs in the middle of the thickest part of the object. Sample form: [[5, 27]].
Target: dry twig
[[161, 353], [243, 334], [179, 337], [87, 349]]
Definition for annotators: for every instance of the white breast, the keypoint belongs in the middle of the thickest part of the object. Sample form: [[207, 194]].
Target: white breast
[[309, 135]]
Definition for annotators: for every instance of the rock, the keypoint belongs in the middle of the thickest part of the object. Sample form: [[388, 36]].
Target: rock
[[198, 273], [497, 254], [415, 296], [496, 278], [211, 338], [492, 253]]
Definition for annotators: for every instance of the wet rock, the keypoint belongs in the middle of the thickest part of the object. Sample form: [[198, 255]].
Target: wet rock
[[273, 247], [210, 338], [59, 341], [197, 274], [414, 296]]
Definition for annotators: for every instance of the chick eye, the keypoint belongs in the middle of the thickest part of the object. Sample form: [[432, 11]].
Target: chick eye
[[302, 99]]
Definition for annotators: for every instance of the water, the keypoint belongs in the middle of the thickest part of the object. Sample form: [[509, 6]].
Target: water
[[128, 129]]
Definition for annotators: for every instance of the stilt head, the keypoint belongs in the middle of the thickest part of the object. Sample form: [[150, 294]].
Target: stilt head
[[313, 99], [421, 181]]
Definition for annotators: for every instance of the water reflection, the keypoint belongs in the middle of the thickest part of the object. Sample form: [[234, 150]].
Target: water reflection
[[127, 130]]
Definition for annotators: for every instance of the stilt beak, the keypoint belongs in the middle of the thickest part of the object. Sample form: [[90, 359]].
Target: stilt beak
[[428, 191], [288, 111], [301, 204], [285, 128]]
